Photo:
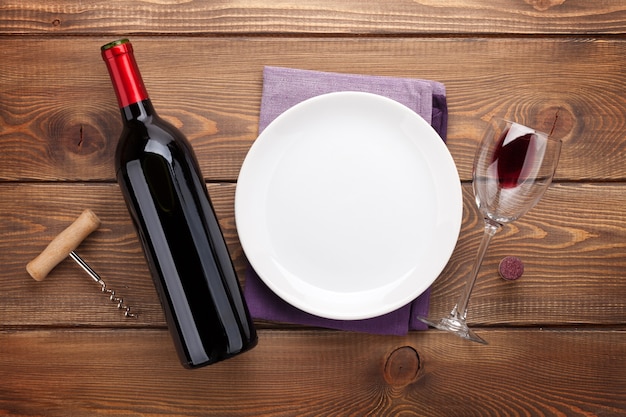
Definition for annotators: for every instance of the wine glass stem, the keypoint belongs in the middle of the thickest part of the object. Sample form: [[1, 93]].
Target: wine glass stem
[[460, 310]]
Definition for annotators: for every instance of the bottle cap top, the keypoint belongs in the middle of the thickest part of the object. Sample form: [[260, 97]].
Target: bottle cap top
[[114, 43]]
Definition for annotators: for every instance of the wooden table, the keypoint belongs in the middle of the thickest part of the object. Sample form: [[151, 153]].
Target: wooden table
[[557, 336]]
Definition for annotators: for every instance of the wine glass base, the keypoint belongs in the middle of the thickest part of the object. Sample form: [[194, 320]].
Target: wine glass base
[[455, 326]]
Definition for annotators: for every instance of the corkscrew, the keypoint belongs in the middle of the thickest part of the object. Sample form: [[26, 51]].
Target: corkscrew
[[63, 245]]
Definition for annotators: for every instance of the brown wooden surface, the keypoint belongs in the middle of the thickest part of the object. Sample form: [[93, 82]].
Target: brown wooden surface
[[557, 336]]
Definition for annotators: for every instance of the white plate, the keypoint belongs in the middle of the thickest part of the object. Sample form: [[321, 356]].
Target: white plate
[[348, 205]]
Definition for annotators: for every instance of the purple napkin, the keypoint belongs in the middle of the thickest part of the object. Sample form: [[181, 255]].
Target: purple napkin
[[282, 89]]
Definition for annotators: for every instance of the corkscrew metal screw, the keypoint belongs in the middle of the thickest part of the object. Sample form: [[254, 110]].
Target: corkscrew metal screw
[[63, 246]]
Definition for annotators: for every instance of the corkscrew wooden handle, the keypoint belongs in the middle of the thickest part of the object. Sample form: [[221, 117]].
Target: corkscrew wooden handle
[[64, 243]]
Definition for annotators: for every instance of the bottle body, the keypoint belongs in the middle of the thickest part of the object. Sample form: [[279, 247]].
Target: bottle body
[[192, 271]]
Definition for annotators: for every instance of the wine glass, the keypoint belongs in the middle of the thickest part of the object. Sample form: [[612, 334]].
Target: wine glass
[[513, 167]]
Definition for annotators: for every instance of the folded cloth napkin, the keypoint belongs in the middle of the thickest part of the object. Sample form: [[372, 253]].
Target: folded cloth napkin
[[282, 89]]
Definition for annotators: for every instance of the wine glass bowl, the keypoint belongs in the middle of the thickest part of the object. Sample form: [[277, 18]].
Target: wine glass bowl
[[513, 167]]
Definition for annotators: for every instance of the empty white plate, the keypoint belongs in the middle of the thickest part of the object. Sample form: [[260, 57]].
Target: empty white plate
[[348, 205]]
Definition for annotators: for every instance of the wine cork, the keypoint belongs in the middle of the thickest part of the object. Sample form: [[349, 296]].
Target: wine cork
[[61, 246], [511, 268]]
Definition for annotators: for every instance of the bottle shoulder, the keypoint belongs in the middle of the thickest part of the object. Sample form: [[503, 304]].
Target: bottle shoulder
[[151, 136]]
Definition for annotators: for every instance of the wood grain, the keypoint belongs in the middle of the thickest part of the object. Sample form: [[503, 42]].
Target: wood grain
[[316, 374], [252, 17], [60, 118]]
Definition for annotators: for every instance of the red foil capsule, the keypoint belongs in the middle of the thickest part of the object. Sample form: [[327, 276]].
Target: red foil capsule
[[124, 72]]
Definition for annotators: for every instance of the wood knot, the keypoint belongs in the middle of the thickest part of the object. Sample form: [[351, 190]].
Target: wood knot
[[558, 121], [402, 366], [543, 5], [76, 132]]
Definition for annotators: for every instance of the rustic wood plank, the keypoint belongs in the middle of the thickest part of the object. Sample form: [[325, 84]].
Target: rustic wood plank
[[319, 17], [526, 372], [572, 246], [574, 263], [68, 296], [60, 121]]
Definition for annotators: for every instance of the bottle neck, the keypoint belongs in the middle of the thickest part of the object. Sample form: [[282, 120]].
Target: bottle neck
[[125, 76], [141, 110]]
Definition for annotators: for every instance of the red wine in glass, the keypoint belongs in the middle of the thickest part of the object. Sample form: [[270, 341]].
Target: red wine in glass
[[511, 155]]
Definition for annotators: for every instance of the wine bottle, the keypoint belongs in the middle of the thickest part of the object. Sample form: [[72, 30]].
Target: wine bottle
[[168, 202]]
